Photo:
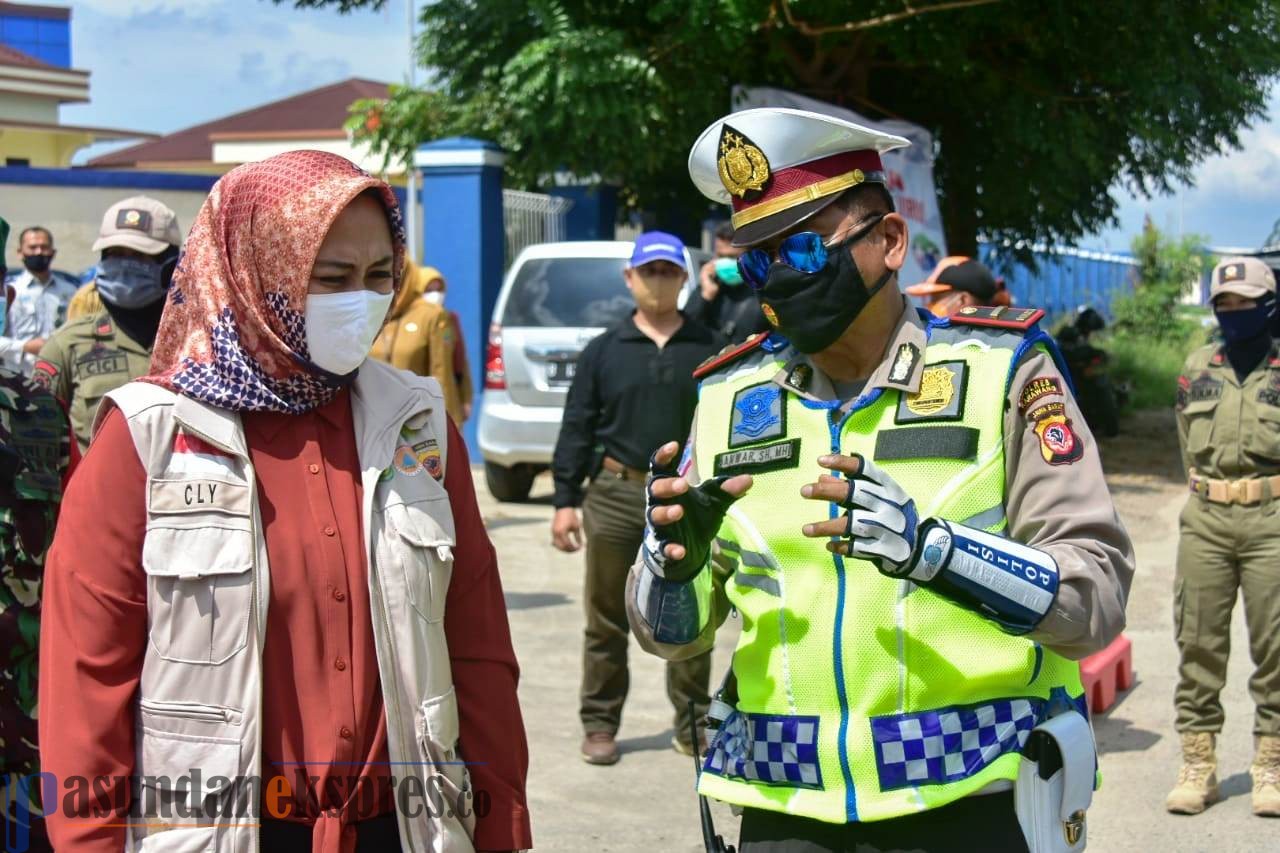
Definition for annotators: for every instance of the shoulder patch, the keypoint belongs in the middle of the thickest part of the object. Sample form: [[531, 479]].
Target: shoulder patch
[[729, 355], [1001, 317]]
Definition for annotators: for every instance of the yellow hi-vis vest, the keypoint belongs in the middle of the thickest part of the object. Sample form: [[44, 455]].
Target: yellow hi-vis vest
[[859, 697]]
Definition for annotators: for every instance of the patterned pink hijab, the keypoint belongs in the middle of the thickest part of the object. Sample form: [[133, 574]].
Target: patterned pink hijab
[[233, 331]]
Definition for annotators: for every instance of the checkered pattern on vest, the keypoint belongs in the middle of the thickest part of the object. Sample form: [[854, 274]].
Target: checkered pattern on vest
[[949, 744], [767, 748]]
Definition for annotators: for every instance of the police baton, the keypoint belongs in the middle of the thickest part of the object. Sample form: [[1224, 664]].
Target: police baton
[[713, 842]]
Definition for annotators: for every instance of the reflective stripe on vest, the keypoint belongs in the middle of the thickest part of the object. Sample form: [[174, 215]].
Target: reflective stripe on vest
[[860, 697]]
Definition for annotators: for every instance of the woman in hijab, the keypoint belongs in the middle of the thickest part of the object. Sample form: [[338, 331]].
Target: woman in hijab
[[270, 599], [436, 288], [419, 337]]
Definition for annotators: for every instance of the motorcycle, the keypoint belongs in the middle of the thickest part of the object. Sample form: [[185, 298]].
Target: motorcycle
[[1100, 398]]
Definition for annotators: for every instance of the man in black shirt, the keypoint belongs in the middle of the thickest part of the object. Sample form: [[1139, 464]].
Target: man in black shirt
[[722, 300], [633, 390]]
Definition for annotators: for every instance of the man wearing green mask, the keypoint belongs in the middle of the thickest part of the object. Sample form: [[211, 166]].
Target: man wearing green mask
[[35, 451], [721, 301], [907, 513]]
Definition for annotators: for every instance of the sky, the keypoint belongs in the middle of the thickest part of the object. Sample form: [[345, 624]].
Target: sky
[[162, 65]]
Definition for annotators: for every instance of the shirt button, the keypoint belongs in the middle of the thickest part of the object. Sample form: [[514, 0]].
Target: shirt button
[[339, 595], [329, 531], [313, 468], [344, 733], [340, 664]]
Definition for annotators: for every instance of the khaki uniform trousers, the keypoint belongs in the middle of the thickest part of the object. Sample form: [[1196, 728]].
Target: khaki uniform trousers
[[613, 520], [1224, 548]]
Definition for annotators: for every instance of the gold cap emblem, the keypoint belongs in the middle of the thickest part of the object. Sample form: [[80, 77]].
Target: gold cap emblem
[[744, 170], [769, 314]]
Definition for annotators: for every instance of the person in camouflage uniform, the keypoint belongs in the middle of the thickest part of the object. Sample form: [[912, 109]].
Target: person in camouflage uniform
[[35, 451]]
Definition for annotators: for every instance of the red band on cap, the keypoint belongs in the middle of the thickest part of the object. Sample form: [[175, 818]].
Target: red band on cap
[[798, 177]]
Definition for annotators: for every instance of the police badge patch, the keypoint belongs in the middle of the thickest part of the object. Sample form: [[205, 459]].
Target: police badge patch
[[1059, 444], [941, 395], [759, 414]]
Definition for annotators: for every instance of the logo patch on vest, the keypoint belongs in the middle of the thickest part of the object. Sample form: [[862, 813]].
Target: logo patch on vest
[[941, 395], [754, 460], [405, 460], [759, 414], [428, 456]]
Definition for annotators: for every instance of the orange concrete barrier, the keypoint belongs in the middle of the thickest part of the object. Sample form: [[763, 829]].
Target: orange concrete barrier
[[1107, 674]]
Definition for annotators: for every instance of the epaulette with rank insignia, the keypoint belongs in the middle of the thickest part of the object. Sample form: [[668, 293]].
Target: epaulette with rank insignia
[[729, 355], [1001, 317]]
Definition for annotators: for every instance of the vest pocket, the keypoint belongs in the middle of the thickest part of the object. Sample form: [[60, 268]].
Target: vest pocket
[[199, 588], [176, 813], [448, 782], [201, 840], [424, 550]]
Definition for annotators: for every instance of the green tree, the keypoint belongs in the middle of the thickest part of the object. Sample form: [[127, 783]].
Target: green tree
[[1039, 107], [1167, 269]]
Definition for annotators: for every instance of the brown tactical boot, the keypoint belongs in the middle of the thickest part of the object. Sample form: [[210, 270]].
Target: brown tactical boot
[[1198, 777], [1266, 777], [599, 748]]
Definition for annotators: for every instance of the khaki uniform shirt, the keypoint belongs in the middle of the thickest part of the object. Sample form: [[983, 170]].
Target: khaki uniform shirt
[[1061, 508], [83, 361], [1228, 429], [421, 339]]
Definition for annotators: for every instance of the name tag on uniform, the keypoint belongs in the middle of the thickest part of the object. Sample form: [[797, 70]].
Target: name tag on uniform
[[197, 494], [102, 361], [756, 460]]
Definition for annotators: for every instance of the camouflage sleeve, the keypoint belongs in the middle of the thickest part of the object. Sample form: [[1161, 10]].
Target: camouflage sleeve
[[51, 369], [1057, 501]]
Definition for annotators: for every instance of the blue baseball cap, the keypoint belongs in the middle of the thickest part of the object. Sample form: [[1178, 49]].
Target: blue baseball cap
[[658, 246]]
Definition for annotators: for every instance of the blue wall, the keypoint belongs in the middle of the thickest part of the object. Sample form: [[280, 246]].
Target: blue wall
[[1065, 279], [46, 39]]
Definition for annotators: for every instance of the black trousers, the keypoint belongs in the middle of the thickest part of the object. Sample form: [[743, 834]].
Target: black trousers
[[375, 835], [986, 823]]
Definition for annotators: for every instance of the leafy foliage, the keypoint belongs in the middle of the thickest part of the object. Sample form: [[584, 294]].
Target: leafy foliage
[[1038, 108], [1167, 269]]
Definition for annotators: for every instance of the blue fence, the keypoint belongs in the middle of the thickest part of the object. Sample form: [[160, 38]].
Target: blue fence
[[1064, 280]]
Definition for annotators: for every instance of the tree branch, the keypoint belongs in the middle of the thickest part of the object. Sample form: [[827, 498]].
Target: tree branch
[[909, 11]]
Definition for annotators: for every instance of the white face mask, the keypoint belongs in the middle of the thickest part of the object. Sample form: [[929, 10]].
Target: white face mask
[[341, 327], [435, 297]]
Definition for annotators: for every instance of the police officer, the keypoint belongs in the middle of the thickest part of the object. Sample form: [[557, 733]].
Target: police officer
[[1228, 410], [910, 518], [98, 353], [35, 449], [632, 388]]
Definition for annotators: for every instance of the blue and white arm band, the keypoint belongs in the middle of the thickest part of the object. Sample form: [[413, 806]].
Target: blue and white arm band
[[677, 611], [1006, 581]]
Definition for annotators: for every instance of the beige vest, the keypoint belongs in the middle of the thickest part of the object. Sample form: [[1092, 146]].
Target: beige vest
[[200, 702]]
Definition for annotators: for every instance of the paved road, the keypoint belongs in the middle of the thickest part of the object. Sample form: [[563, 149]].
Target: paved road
[[645, 802]]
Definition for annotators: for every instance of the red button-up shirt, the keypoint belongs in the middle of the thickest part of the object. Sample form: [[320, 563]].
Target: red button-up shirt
[[323, 713]]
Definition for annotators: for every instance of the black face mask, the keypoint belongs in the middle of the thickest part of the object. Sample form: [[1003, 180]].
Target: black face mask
[[812, 310], [36, 263]]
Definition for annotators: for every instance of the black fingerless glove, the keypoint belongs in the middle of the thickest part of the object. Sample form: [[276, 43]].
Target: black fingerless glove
[[704, 505]]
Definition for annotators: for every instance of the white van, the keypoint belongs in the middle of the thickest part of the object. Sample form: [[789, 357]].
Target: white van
[[555, 298]]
